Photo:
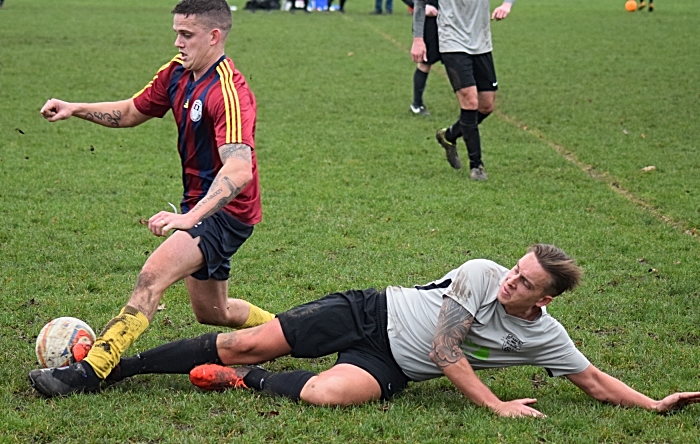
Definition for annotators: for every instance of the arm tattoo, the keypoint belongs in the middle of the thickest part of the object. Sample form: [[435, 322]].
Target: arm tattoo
[[105, 118], [224, 188], [235, 150], [454, 322]]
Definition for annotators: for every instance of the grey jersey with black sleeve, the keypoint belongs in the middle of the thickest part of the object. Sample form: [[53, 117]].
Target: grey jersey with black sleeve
[[495, 338], [463, 25]]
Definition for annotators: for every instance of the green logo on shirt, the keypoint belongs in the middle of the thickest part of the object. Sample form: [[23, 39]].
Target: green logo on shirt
[[477, 352]]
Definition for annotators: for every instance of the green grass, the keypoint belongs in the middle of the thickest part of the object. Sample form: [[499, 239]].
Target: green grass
[[356, 193]]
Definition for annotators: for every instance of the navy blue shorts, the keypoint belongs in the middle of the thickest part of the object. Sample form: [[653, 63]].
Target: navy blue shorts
[[220, 236], [465, 70], [352, 324]]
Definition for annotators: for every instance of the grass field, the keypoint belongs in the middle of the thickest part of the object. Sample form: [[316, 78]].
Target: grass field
[[356, 193]]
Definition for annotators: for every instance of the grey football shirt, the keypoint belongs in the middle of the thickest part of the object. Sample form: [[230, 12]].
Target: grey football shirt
[[463, 25], [495, 339]]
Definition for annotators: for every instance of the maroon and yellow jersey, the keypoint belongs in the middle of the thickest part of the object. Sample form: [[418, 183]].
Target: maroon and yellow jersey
[[217, 109]]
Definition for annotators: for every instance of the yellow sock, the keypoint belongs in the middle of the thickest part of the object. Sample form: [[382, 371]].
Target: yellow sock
[[116, 337], [257, 316]]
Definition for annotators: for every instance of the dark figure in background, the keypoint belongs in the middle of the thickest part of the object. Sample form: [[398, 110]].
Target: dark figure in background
[[641, 6], [388, 6], [432, 56], [342, 5]]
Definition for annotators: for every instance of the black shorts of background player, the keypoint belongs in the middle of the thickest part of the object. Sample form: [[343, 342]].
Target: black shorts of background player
[[432, 56]]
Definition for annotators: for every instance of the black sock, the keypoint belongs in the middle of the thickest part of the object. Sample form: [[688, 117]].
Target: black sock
[[481, 116], [177, 357], [454, 132], [470, 132], [420, 78], [288, 384]]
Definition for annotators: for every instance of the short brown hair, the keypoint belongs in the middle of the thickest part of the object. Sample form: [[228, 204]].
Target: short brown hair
[[214, 13], [564, 273]]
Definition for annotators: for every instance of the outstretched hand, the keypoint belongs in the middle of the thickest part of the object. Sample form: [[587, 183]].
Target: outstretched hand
[[518, 408], [677, 401], [55, 109]]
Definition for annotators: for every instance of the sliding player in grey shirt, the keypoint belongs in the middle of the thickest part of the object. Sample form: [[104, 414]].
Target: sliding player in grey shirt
[[480, 315], [464, 36]]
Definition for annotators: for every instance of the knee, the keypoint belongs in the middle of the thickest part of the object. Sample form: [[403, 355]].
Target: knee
[[485, 108], [326, 391], [466, 99], [486, 102], [232, 345]]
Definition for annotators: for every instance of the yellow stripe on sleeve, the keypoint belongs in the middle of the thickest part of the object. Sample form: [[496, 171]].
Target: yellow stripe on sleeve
[[229, 91], [227, 101]]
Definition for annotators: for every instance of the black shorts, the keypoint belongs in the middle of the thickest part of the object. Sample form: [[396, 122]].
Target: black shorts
[[220, 236], [352, 324], [430, 37], [465, 70]]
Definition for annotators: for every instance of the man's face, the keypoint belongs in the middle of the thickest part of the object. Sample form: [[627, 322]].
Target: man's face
[[193, 42], [525, 287]]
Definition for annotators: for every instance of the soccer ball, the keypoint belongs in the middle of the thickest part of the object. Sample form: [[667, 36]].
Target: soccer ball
[[631, 5], [54, 345]]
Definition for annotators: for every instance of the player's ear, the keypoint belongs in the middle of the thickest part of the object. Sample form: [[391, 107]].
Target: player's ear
[[214, 36], [544, 300]]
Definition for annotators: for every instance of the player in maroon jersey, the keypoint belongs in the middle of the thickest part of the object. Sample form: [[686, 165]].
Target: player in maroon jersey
[[215, 112]]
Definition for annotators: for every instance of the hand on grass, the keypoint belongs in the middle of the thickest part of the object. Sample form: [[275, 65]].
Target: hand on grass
[[677, 401], [518, 408]]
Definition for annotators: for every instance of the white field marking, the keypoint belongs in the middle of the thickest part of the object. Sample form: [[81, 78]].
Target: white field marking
[[612, 182], [603, 176]]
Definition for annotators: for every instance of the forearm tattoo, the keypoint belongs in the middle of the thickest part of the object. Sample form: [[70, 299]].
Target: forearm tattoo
[[454, 322], [105, 118], [223, 188]]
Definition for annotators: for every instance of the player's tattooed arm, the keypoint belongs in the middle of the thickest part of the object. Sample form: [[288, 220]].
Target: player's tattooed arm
[[236, 151], [454, 322], [228, 183], [107, 119]]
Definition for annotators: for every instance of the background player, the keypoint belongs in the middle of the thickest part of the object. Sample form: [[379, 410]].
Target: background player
[[464, 35], [432, 56]]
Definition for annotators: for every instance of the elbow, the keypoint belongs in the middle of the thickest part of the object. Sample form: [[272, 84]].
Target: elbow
[[433, 356], [247, 178]]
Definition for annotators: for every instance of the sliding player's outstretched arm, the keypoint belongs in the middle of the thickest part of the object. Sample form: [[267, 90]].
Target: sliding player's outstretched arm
[[605, 388]]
